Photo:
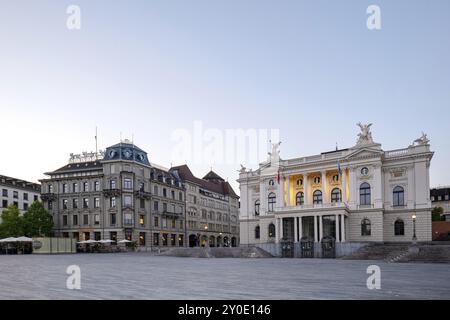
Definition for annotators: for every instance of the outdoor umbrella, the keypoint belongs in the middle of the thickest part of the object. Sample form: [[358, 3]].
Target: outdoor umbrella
[[106, 241], [10, 239], [24, 239]]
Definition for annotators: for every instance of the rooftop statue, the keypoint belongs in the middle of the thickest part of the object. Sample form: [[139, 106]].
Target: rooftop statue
[[275, 154], [423, 140], [365, 136]]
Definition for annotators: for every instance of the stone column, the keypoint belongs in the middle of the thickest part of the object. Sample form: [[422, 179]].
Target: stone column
[[352, 187], [300, 228], [344, 185], [336, 221], [306, 188], [288, 191], [295, 229], [320, 228], [277, 230], [324, 187], [281, 228], [342, 228], [316, 236], [280, 194], [262, 198], [377, 197]]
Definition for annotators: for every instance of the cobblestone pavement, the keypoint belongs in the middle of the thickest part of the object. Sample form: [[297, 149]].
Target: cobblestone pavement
[[143, 276]]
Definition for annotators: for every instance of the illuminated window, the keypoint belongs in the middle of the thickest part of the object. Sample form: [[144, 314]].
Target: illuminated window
[[336, 195], [300, 199], [317, 197]]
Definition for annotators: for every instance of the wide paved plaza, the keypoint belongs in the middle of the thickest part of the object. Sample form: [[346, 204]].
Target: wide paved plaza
[[143, 276]]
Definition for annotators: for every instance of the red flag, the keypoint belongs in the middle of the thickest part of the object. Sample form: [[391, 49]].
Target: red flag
[[278, 176]]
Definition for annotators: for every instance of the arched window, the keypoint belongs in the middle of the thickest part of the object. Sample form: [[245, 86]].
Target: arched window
[[257, 205], [299, 199], [272, 199], [299, 182], [336, 178], [271, 230], [336, 195], [399, 196], [316, 180], [271, 183], [364, 194], [257, 231], [399, 227], [365, 227], [317, 197]]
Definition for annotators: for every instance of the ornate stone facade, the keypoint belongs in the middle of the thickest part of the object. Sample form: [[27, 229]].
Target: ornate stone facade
[[358, 194]]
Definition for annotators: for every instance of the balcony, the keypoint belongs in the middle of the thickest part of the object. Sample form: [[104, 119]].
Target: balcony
[[172, 215], [111, 192], [143, 194], [305, 207], [48, 196]]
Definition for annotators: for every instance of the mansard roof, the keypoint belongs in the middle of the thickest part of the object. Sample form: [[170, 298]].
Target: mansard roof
[[212, 181], [128, 151], [78, 166]]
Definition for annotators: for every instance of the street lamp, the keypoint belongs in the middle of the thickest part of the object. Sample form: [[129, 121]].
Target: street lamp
[[414, 227], [206, 230]]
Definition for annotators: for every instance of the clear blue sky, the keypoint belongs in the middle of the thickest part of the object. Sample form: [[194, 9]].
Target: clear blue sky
[[309, 68]]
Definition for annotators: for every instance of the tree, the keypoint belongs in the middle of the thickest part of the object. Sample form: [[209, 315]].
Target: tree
[[37, 221], [12, 224], [436, 214]]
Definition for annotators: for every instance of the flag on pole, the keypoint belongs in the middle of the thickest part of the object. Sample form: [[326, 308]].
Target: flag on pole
[[278, 176], [339, 170]]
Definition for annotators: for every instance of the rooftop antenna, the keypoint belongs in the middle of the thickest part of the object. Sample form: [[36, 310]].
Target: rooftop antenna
[[337, 146]]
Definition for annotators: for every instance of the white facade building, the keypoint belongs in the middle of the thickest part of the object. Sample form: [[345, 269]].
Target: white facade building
[[19, 193], [360, 194]]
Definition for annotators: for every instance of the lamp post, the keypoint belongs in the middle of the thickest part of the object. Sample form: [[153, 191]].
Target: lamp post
[[414, 227], [206, 230]]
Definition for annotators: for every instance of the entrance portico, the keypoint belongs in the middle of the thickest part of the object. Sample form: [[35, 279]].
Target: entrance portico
[[313, 226]]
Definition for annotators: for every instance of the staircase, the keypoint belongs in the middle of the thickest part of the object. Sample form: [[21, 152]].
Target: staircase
[[386, 252], [211, 252]]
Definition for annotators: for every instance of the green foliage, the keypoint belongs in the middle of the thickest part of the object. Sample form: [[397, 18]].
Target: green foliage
[[436, 214], [37, 222], [12, 224]]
